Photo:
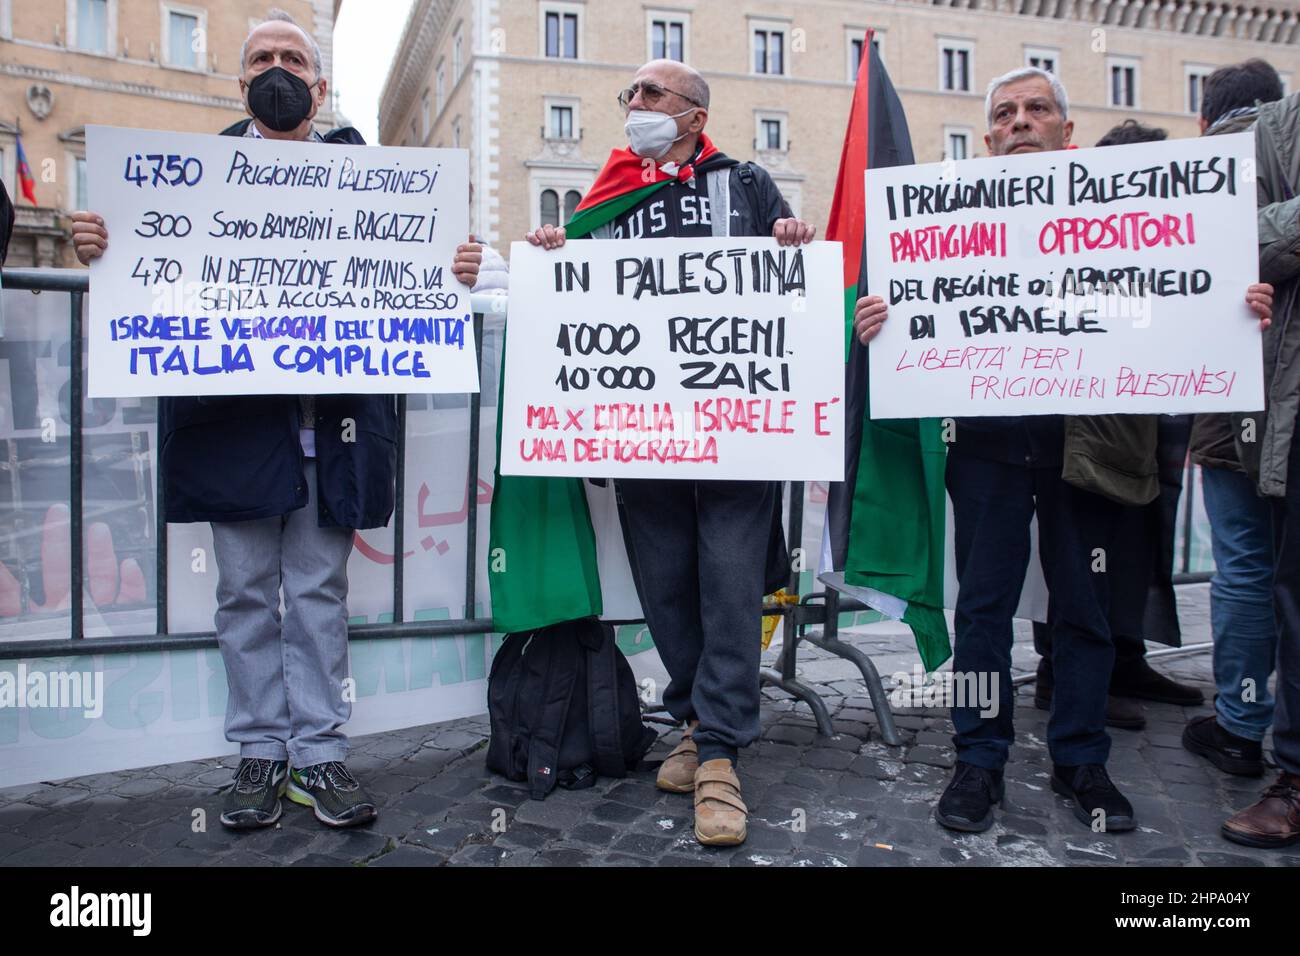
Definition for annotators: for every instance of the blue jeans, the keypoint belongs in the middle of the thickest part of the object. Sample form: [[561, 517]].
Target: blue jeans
[[992, 505], [1241, 601]]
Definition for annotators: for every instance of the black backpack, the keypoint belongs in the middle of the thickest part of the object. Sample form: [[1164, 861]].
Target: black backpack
[[564, 708]]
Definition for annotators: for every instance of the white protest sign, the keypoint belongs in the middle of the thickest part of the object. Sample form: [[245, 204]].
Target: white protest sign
[[683, 358], [238, 265], [1078, 281]]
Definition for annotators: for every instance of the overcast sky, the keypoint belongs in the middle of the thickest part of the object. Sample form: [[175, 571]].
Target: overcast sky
[[365, 39]]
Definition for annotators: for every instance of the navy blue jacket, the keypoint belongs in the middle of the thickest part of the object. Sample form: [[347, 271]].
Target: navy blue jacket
[[235, 458]]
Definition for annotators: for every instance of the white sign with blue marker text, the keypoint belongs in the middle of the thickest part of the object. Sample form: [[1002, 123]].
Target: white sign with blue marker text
[[239, 265]]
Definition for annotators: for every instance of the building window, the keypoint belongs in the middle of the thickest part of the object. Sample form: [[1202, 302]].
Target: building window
[[561, 126], [667, 38], [1123, 75], [956, 142], [769, 50], [550, 207], [455, 133], [426, 115], [457, 54], [571, 200], [415, 139], [439, 89], [92, 33], [1043, 59], [1195, 86], [956, 65], [184, 38], [561, 34], [770, 132], [854, 38]]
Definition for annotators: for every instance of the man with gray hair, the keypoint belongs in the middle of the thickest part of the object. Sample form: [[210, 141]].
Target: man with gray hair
[[1000, 473], [285, 481]]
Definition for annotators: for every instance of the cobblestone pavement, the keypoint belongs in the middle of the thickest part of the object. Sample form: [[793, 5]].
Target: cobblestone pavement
[[840, 801]]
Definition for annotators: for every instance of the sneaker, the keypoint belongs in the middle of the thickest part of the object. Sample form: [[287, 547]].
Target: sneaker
[[1093, 797], [333, 794], [1230, 753], [1144, 682], [1272, 822], [254, 798], [720, 813], [677, 772], [967, 804]]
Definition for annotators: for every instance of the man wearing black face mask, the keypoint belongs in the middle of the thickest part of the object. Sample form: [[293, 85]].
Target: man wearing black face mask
[[285, 481]]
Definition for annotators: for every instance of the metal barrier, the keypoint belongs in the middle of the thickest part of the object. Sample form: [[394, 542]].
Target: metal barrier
[[819, 608], [75, 283]]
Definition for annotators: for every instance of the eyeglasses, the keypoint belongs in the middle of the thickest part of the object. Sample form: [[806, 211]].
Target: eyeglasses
[[651, 92]]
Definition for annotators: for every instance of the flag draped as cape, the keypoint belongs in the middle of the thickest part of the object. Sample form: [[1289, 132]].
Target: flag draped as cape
[[886, 520], [542, 554]]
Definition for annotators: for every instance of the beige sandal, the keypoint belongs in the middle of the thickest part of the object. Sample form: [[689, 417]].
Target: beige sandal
[[677, 772], [720, 813]]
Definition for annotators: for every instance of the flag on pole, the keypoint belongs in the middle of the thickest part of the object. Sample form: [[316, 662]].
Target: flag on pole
[[885, 522], [26, 184]]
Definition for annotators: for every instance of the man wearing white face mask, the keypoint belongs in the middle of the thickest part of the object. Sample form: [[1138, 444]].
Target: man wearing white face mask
[[700, 549]]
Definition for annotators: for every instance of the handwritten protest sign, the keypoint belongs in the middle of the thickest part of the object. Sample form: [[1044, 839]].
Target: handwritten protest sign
[[238, 265], [692, 358], [1082, 281]]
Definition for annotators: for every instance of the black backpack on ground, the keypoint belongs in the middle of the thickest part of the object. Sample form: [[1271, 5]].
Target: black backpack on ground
[[564, 708]]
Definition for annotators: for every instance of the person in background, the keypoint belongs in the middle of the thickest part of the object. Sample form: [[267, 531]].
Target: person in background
[[1270, 454], [1241, 522], [1140, 572]]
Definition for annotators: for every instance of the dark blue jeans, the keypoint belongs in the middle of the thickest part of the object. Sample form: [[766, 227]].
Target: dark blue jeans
[[992, 505]]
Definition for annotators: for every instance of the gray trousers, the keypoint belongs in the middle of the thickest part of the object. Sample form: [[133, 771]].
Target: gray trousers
[[285, 676], [699, 552]]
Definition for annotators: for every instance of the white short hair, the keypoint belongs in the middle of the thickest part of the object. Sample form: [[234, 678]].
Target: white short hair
[[275, 13], [1024, 73]]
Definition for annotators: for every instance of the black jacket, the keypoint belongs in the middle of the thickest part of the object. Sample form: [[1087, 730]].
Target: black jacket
[[235, 458]]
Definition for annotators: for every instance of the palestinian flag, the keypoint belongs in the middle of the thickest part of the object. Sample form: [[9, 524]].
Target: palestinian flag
[[26, 184], [542, 553], [885, 522]]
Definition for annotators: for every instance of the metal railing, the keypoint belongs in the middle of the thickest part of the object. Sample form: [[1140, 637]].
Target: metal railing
[[820, 608], [75, 283]]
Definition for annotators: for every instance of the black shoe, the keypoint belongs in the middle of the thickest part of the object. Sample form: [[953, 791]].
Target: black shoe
[[1144, 682], [967, 803], [1094, 799], [1122, 712], [1230, 753], [333, 794], [254, 799]]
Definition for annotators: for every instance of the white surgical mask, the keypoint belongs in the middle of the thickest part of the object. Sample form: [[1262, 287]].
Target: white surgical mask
[[652, 134]]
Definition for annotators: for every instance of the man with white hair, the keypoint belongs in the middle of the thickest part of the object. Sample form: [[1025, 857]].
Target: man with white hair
[[1001, 472], [285, 481]]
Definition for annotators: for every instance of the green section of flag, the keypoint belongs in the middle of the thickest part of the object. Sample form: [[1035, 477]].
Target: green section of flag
[[589, 220], [896, 537], [542, 565]]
